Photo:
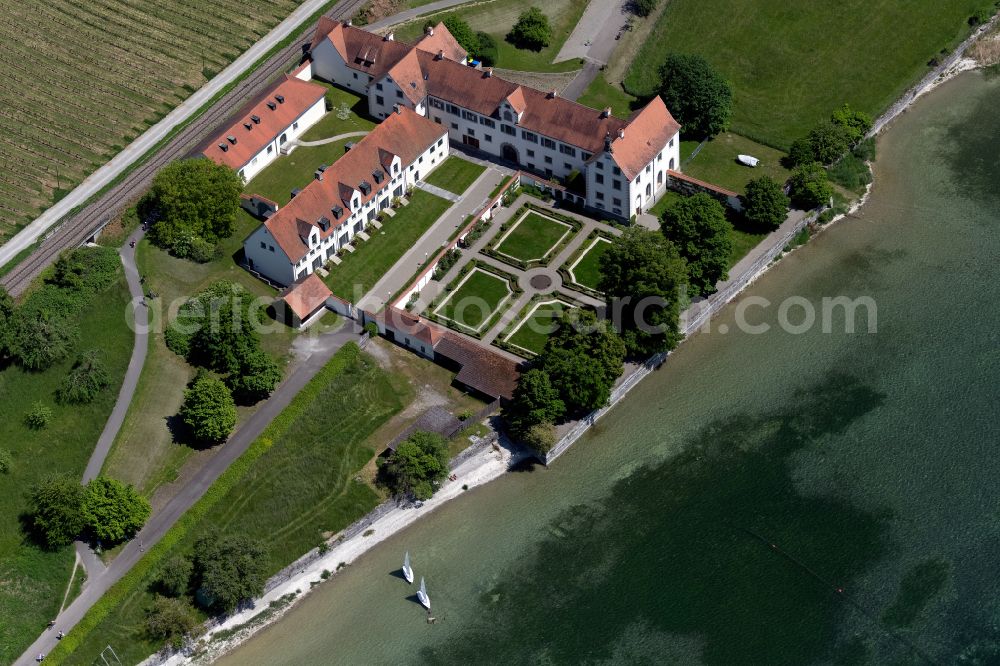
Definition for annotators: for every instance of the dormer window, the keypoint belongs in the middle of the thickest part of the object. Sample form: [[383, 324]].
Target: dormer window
[[271, 105], [231, 139], [337, 212], [280, 98], [365, 187], [324, 224], [378, 176], [508, 116], [255, 119]]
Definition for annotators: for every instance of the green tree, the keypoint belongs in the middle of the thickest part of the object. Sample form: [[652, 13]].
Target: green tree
[[697, 96], [39, 416], [114, 511], [175, 576], [801, 152], [642, 7], [229, 570], [489, 52], [532, 30], [7, 311], [541, 437], [583, 358], [209, 409], [256, 378], [856, 123], [417, 466], [535, 401], [697, 225], [643, 278], [194, 197], [463, 34], [222, 317], [829, 141], [764, 203], [809, 186], [170, 620], [39, 340], [55, 506], [85, 379]]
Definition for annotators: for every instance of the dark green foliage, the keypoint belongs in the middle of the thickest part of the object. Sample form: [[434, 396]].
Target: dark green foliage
[[114, 511], [463, 34], [6, 462], [583, 358], [170, 620], [449, 259], [801, 152], [535, 401], [209, 410], [40, 341], [194, 248], [697, 96], [256, 378], [643, 278], [697, 225], [92, 269], [809, 186], [765, 205], [417, 466], [642, 7], [829, 141], [85, 380], [865, 150], [55, 506], [7, 311], [488, 52], [193, 198], [229, 570], [175, 576], [38, 417], [371, 328], [532, 30], [851, 172], [855, 123]]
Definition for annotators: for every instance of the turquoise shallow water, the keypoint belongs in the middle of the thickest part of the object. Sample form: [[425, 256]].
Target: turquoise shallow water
[[762, 499]]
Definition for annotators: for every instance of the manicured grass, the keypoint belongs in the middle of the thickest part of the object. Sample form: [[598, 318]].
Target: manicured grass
[[360, 270], [538, 326], [33, 581], [295, 484], [792, 64], [743, 242], [668, 199], [331, 125], [497, 17], [455, 174], [533, 238], [587, 270], [716, 162], [601, 94], [476, 300]]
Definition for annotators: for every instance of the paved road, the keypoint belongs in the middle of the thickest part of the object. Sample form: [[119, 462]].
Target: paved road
[[327, 345], [597, 29], [120, 162]]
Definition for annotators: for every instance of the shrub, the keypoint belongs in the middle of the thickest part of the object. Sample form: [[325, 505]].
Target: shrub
[[829, 141], [463, 34], [642, 7], [229, 569], [114, 511], [532, 30], [488, 52], [981, 16], [38, 417], [541, 437], [865, 150], [257, 376], [85, 380], [40, 341], [449, 259], [6, 462], [371, 328], [175, 576], [55, 506], [809, 186], [170, 620], [535, 401], [209, 410]]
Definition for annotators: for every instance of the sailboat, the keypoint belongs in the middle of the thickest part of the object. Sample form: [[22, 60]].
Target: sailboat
[[422, 597], [407, 570]]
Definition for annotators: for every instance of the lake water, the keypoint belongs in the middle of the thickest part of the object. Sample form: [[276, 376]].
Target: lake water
[[762, 499]]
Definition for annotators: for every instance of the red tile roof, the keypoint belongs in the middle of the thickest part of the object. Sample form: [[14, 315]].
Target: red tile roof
[[402, 321], [645, 135], [443, 41], [299, 97], [306, 297], [406, 134], [701, 183]]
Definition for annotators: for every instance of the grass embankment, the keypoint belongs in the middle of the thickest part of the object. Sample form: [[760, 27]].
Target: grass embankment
[[791, 65], [33, 581], [294, 486], [455, 174], [147, 451], [360, 270], [497, 17]]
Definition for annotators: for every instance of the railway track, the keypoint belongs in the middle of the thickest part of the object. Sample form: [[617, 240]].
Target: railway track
[[76, 229]]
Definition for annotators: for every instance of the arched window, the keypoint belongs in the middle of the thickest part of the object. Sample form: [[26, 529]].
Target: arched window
[[659, 178], [649, 189], [671, 166]]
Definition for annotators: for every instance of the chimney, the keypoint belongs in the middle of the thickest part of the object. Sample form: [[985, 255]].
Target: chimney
[[397, 109], [429, 31], [319, 174], [349, 22], [621, 133], [607, 142], [440, 55], [606, 113], [553, 94], [488, 73], [391, 37]]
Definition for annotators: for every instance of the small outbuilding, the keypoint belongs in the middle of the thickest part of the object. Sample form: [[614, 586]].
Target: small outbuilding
[[305, 300]]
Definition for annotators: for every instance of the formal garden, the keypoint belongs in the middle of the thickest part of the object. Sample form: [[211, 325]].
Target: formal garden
[[530, 331], [476, 298], [583, 269], [533, 238]]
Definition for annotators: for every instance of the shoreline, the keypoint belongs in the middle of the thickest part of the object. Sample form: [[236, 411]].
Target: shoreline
[[486, 461]]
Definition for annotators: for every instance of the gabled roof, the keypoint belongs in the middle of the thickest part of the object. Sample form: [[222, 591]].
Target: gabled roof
[[410, 77], [516, 100], [406, 134], [645, 135], [305, 297], [298, 95], [442, 41]]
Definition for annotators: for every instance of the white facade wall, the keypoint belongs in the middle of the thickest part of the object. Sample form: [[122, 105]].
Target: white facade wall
[[384, 94], [329, 66], [629, 197], [272, 150], [278, 267]]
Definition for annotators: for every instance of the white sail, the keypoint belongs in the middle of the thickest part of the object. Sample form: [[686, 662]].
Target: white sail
[[407, 570], [425, 601]]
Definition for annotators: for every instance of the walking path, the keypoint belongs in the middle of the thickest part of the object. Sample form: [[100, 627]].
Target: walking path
[[148, 139], [596, 33], [322, 142], [438, 191]]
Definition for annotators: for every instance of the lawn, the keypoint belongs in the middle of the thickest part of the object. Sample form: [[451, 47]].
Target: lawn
[[536, 327], [455, 174], [791, 64], [475, 299], [33, 581], [360, 270], [497, 17], [716, 162], [587, 272], [295, 486], [533, 237], [601, 94]]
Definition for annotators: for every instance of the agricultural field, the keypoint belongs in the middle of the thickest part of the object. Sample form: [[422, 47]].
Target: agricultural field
[[83, 79], [791, 64]]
